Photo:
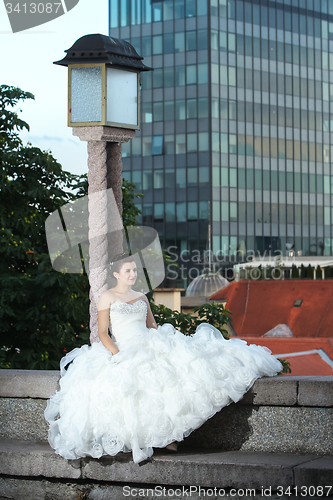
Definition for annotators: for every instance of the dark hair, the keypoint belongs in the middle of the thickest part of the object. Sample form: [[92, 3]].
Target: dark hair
[[118, 261]]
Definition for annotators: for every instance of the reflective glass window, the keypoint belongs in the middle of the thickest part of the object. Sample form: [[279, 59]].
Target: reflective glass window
[[169, 76], [157, 44], [180, 109], [202, 40], [158, 111], [180, 75], [192, 210], [203, 107], [124, 13], [192, 142], [167, 10], [191, 40], [158, 212], [180, 144], [180, 177], [191, 108], [169, 144], [147, 180], [170, 212], [169, 110], [179, 9], [191, 74], [179, 42], [168, 47], [114, 13], [190, 8], [202, 73], [146, 112], [136, 179], [158, 78], [157, 11], [203, 141], [158, 179], [181, 211]]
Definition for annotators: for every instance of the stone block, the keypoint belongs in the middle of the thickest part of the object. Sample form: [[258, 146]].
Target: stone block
[[315, 391], [266, 429], [28, 383], [268, 391], [23, 419], [315, 473], [25, 458], [219, 469]]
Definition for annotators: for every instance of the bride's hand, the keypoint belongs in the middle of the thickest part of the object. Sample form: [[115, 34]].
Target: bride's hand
[[117, 357]]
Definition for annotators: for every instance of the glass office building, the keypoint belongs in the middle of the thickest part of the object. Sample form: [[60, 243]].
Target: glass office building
[[236, 136]]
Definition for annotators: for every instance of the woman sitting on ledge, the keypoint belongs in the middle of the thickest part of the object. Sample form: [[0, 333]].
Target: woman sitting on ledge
[[147, 386]]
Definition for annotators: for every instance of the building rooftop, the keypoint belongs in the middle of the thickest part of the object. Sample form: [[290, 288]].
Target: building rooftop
[[259, 306], [313, 357]]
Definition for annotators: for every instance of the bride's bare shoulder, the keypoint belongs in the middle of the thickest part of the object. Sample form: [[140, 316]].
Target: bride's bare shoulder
[[106, 299]]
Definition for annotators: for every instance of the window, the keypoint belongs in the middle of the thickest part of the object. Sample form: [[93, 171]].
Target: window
[[169, 110], [191, 74], [157, 148], [191, 108], [147, 180], [180, 178], [146, 112], [170, 212], [158, 212], [192, 210], [179, 42], [180, 144], [180, 109], [181, 211], [158, 179], [191, 40], [158, 111]]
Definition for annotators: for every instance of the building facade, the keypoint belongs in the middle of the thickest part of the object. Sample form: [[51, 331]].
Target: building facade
[[236, 139]]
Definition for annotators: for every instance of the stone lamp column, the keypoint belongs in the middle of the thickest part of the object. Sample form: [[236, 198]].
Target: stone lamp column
[[104, 110], [104, 172]]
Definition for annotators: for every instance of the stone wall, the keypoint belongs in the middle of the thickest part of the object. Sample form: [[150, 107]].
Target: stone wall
[[279, 414]]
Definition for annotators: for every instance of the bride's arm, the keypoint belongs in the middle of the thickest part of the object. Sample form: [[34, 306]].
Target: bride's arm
[[151, 323], [103, 323]]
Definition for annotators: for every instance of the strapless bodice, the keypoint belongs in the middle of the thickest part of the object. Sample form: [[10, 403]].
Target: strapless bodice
[[128, 320]]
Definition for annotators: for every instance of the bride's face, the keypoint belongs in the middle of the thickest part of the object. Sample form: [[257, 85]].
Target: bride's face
[[127, 274]]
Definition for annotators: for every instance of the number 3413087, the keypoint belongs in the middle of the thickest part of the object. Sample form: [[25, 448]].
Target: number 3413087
[[33, 8]]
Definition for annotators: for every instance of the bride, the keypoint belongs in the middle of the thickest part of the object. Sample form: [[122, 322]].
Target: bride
[[147, 386]]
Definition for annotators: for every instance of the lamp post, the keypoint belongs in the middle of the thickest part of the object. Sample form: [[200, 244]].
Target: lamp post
[[104, 110]]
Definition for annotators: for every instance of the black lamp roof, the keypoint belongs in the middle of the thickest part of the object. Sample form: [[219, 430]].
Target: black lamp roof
[[103, 49]]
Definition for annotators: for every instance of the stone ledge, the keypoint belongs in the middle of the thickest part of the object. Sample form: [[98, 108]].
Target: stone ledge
[[272, 391], [212, 469]]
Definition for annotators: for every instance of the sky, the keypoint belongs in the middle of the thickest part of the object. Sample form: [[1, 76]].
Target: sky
[[27, 62]]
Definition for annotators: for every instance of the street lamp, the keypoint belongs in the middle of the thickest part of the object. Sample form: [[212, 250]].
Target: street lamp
[[103, 82], [104, 110]]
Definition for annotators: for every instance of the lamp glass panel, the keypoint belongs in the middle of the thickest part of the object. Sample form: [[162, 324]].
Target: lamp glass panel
[[122, 97], [86, 94]]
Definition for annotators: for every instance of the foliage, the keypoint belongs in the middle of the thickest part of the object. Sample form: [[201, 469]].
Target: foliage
[[214, 314], [286, 366], [294, 271], [43, 313]]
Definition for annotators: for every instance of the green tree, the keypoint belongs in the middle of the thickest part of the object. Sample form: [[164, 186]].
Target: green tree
[[43, 313]]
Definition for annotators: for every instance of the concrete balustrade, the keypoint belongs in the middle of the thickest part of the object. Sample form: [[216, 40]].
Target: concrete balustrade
[[279, 434]]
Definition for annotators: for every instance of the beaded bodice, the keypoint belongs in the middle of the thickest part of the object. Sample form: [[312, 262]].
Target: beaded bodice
[[127, 320]]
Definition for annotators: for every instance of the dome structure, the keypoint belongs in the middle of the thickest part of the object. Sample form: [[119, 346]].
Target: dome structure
[[205, 285]]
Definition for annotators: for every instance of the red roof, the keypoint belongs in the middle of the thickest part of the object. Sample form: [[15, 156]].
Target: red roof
[[305, 361], [259, 306]]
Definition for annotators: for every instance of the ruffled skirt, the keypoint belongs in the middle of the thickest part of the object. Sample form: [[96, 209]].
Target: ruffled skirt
[[159, 388]]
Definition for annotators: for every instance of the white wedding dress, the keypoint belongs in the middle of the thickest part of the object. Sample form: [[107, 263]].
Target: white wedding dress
[[159, 387]]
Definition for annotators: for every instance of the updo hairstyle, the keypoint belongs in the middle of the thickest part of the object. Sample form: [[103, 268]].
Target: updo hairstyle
[[118, 262]]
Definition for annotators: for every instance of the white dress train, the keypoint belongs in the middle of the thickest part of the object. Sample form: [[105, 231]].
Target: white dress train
[[159, 387]]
